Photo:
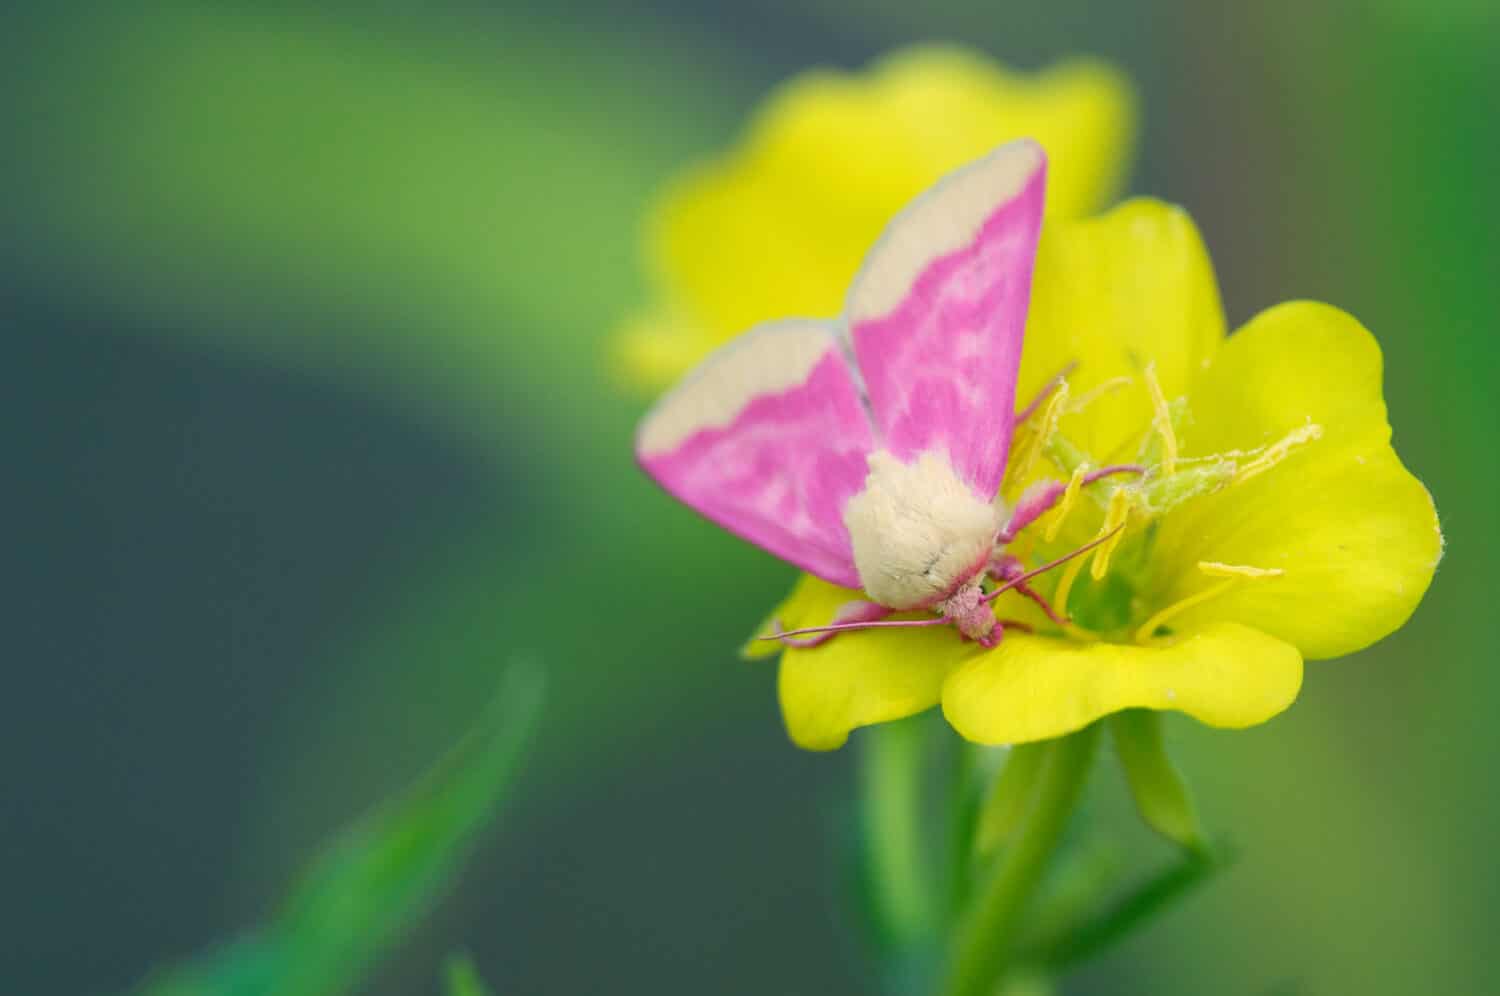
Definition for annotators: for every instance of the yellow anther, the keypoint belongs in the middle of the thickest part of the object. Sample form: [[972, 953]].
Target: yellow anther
[[1228, 574], [1277, 451], [1044, 426], [1214, 569], [1114, 517], [1069, 495], [1163, 422], [1070, 573]]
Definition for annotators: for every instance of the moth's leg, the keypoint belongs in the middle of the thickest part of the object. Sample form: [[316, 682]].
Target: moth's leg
[[1005, 568], [850, 612], [1035, 502], [1043, 496], [997, 634]]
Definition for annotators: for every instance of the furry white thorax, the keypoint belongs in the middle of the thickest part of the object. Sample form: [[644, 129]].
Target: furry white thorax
[[917, 530]]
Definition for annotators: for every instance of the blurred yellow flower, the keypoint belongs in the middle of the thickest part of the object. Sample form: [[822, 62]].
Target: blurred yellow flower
[[777, 226], [1273, 522]]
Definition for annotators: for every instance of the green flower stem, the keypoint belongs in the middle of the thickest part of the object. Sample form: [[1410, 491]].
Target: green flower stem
[[982, 943], [890, 777], [963, 815], [1010, 797]]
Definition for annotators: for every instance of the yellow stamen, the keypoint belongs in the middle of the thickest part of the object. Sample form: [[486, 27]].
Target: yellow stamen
[[1229, 575], [1150, 626], [1163, 422], [1070, 494], [1070, 573], [1277, 451], [1080, 634], [1045, 426], [1114, 517], [1214, 569]]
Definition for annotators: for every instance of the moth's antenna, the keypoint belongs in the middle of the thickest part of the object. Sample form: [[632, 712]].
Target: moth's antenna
[[1022, 579], [845, 627]]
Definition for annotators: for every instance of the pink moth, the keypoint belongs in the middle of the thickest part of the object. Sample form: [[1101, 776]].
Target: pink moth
[[869, 449]]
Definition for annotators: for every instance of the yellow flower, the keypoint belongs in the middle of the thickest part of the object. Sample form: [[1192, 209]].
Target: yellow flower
[[778, 225], [1273, 521]]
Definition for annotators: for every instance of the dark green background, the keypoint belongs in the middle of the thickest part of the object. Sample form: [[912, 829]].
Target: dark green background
[[309, 430]]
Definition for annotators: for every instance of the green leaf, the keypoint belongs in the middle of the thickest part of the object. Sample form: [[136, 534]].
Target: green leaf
[[463, 978], [1086, 878], [1136, 908], [1161, 793], [377, 878]]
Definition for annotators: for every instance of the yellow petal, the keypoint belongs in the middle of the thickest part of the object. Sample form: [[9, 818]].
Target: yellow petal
[[1113, 294], [864, 677], [1354, 533], [1035, 688], [655, 347], [856, 678], [778, 225], [955, 105]]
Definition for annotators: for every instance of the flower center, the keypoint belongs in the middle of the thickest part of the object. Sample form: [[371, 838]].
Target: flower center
[[1109, 600]]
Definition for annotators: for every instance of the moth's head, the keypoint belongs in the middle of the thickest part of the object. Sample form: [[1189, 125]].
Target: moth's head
[[918, 531]]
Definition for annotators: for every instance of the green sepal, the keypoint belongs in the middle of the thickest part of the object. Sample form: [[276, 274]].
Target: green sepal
[[1161, 793]]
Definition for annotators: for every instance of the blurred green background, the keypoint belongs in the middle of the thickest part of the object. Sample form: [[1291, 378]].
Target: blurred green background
[[310, 429]]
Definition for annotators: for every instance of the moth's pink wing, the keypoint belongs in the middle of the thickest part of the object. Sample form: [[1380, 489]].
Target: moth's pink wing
[[937, 312], [768, 438]]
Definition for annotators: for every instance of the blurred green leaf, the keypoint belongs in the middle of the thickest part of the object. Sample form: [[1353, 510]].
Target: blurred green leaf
[[410, 210], [378, 877], [1085, 879], [245, 967], [1083, 940], [463, 978]]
